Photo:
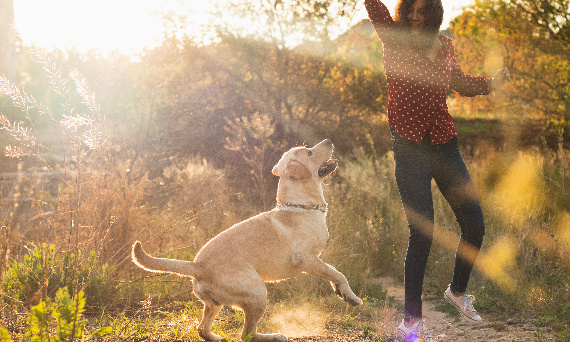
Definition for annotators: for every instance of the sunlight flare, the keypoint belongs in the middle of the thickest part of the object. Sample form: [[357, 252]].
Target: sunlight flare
[[518, 195], [563, 237], [498, 259], [130, 26]]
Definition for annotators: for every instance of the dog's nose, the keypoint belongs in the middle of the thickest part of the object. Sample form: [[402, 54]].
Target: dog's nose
[[325, 143]]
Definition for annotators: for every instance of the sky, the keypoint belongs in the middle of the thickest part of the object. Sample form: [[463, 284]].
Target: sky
[[126, 26]]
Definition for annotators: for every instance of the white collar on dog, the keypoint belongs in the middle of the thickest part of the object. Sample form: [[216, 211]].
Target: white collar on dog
[[320, 207]]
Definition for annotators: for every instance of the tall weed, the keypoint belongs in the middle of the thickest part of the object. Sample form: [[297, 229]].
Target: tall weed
[[250, 137], [191, 204]]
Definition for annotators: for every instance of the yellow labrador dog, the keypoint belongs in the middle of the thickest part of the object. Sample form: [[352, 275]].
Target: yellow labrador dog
[[232, 268]]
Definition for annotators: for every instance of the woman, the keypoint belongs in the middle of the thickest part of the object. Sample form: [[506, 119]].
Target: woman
[[420, 66]]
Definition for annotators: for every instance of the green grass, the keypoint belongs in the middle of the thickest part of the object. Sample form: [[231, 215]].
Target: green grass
[[295, 316], [368, 239]]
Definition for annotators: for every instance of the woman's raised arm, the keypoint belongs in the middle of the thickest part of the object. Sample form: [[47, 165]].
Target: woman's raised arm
[[381, 20]]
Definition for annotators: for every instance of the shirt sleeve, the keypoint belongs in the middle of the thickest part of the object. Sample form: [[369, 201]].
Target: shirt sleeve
[[467, 85], [381, 20]]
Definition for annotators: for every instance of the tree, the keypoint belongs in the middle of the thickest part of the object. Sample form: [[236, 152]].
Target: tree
[[301, 90], [275, 26], [284, 23], [551, 20], [533, 38]]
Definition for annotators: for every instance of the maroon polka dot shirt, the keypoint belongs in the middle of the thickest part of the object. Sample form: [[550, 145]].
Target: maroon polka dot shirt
[[417, 86]]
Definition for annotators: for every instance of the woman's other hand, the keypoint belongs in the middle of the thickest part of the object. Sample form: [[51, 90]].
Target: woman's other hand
[[501, 77]]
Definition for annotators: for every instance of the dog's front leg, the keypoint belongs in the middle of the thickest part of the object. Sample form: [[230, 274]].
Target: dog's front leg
[[314, 266]]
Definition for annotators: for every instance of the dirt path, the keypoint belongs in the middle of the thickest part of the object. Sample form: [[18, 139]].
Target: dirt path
[[456, 329]]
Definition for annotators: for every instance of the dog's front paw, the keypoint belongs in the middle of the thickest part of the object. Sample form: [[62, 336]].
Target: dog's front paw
[[353, 300], [348, 295]]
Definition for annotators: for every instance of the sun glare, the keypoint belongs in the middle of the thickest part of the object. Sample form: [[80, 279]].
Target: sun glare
[[126, 26], [519, 193], [498, 260]]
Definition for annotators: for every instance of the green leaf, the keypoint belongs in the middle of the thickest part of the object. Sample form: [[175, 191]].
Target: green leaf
[[100, 332], [5, 335]]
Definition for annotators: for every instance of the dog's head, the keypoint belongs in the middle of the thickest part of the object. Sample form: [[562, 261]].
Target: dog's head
[[300, 163]]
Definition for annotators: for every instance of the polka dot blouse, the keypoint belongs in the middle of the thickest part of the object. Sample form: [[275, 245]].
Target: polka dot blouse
[[417, 86]]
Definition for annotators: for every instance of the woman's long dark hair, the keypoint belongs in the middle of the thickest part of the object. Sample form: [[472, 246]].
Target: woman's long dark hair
[[433, 18]]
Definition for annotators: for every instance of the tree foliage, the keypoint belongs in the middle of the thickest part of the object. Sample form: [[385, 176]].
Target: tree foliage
[[284, 22], [177, 99], [238, 77], [532, 38]]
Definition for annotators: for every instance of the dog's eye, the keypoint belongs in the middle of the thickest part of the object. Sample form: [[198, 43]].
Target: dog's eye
[[309, 153]]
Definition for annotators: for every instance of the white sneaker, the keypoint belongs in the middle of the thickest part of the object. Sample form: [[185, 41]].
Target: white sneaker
[[416, 333], [464, 304]]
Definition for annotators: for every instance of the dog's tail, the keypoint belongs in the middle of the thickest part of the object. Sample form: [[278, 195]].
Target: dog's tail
[[149, 263]]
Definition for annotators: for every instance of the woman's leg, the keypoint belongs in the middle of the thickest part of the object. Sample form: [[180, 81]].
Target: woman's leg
[[414, 183], [455, 183]]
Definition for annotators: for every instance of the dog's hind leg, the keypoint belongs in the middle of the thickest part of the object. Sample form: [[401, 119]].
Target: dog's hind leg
[[254, 307], [205, 327]]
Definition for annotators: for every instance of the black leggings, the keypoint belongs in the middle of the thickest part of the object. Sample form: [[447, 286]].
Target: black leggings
[[416, 166]]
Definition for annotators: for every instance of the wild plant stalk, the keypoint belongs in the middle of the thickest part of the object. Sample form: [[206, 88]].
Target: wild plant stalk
[[27, 144], [560, 156], [251, 138]]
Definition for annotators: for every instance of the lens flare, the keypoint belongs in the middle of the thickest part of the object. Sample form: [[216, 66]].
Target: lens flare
[[496, 262], [518, 195], [563, 236]]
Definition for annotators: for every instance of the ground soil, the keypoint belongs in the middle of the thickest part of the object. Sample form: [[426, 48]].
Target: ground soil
[[456, 329], [446, 327]]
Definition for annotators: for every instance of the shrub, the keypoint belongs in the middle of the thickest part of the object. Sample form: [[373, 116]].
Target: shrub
[[45, 269], [557, 134]]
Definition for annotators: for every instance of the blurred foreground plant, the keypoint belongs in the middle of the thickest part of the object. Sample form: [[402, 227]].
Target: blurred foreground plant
[[60, 320]]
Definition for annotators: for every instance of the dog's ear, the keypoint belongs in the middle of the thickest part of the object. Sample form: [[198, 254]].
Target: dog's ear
[[297, 171], [278, 165], [276, 170]]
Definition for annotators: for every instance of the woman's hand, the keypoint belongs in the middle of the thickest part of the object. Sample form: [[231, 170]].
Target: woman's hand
[[501, 77]]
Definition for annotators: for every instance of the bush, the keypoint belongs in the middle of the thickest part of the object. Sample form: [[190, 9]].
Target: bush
[[557, 134], [44, 270]]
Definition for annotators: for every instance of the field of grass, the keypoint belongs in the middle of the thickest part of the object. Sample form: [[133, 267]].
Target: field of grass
[[523, 271]]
